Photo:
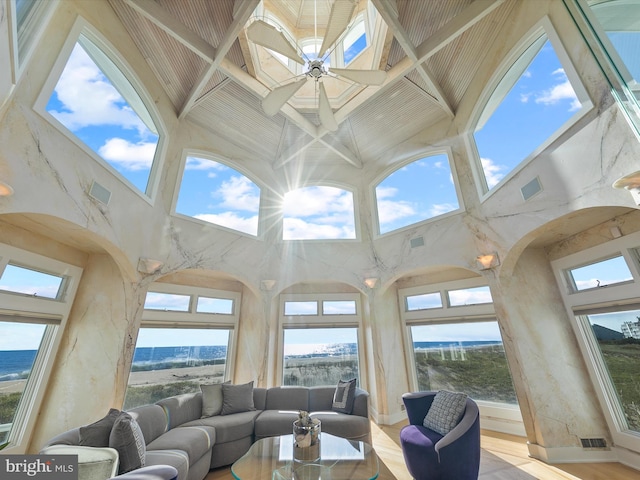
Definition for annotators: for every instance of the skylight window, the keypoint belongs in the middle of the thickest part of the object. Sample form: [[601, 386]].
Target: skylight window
[[415, 192], [96, 102], [534, 99], [213, 192], [319, 213], [18, 279], [600, 274], [355, 41]]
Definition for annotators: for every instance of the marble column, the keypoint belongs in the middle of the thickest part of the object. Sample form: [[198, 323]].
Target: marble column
[[556, 397]]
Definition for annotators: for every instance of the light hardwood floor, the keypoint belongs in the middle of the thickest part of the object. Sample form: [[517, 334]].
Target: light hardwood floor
[[504, 457]]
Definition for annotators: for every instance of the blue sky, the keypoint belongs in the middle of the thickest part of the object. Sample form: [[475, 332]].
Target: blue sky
[[88, 104]]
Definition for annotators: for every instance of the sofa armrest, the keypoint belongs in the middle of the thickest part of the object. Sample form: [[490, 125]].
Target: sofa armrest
[[152, 472], [94, 463]]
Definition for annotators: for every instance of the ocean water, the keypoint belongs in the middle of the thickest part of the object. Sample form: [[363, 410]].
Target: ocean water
[[16, 364]]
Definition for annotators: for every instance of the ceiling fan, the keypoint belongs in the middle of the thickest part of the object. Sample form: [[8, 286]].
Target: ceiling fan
[[266, 35]]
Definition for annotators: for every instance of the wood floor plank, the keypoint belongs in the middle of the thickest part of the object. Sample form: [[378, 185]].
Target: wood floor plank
[[503, 457]]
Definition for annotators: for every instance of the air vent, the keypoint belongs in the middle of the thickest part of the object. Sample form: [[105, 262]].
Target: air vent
[[531, 188], [593, 443], [100, 193], [417, 242]]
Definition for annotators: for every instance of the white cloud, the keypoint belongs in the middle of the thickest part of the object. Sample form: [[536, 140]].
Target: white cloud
[[298, 229], [89, 99], [239, 193], [232, 220], [441, 208], [313, 201], [131, 156], [492, 172], [559, 92], [195, 163], [470, 297]]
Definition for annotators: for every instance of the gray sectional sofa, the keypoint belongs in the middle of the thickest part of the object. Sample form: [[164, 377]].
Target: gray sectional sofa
[[176, 433]]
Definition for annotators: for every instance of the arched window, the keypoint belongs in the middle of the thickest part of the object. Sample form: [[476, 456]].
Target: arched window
[[536, 98], [319, 213], [418, 191], [216, 193], [95, 101]]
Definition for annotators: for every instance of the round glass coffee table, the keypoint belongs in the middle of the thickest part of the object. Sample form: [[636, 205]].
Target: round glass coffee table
[[340, 459]]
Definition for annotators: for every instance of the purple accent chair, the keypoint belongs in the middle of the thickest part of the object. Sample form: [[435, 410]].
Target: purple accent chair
[[431, 456]]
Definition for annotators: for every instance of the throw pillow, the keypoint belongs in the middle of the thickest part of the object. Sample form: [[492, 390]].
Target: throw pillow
[[126, 437], [211, 399], [344, 396], [97, 433], [237, 398], [446, 411]]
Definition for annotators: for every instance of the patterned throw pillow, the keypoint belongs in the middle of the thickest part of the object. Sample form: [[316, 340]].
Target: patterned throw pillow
[[446, 411], [126, 437], [344, 396]]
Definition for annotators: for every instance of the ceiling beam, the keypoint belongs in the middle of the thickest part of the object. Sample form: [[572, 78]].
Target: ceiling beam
[[242, 11], [172, 26], [436, 42], [390, 15]]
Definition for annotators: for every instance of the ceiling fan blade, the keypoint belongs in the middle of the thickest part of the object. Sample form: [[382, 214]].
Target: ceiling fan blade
[[339, 18], [365, 77], [327, 118], [273, 102], [268, 36]]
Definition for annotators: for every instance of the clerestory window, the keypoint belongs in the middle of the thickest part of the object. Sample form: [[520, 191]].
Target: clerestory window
[[417, 191], [96, 101], [535, 98], [216, 193]]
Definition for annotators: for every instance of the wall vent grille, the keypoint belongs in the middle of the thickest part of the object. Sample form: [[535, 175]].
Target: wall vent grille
[[593, 443], [417, 242], [100, 193], [531, 188]]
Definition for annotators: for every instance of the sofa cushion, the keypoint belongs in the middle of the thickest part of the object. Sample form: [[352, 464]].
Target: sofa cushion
[[271, 423], [343, 425], [228, 427], [288, 398], [211, 399], [127, 438], [418, 448], [97, 433], [344, 396], [237, 398], [195, 441], [152, 420], [445, 411], [182, 408]]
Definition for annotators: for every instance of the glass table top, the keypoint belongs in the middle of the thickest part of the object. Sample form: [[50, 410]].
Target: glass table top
[[340, 459]]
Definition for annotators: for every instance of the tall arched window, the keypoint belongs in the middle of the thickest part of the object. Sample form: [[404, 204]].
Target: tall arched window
[[96, 101], [535, 99]]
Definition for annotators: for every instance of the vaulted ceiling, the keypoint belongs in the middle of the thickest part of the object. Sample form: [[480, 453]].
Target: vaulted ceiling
[[209, 68]]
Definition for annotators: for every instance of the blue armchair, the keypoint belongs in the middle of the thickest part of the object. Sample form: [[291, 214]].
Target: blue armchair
[[431, 456]]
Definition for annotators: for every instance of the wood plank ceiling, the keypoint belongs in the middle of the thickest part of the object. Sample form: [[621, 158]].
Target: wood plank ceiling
[[198, 51]]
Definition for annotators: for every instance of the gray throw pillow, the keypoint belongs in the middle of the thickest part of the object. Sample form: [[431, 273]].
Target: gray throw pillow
[[446, 411], [344, 396], [237, 398], [211, 400], [97, 433], [126, 437]]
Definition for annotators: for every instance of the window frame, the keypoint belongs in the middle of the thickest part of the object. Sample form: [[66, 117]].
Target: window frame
[[543, 27], [54, 312], [501, 417], [448, 152], [320, 321], [83, 27], [579, 304]]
